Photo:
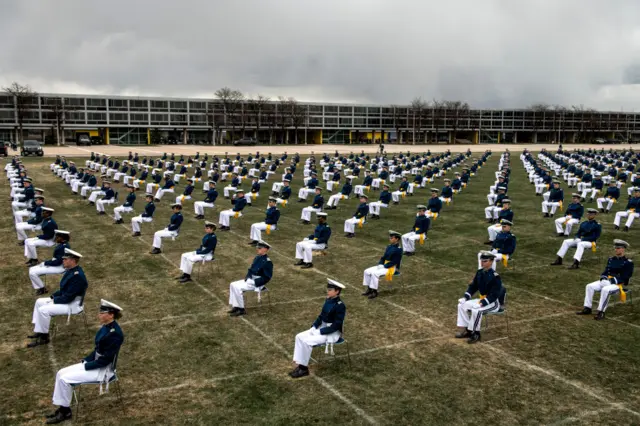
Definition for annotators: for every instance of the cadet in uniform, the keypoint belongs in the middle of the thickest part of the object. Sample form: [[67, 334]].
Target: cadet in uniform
[[325, 330], [167, 187], [505, 213], [614, 279], [434, 205], [572, 216], [359, 218], [171, 230], [586, 237], [127, 207], [98, 366], [33, 223], [488, 284], [46, 239], [316, 241], [388, 265], [612, 195], [208, 201], [258, 275], [204, 253], [285, 193], [51, 266], [318, 202], [556, 196], [419, 232], [632, 211], [68, 300], [109, 197], [385, 198], [503, 246], [147, 216], [239, 203], [186, 194], [272, 215]]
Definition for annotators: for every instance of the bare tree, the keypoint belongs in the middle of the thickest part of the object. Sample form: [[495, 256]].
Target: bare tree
[[59, 115], [456, 111], [559, 121], [538, 111], [269, 119], [256, 107], [283, 117], [417, 111], [437, 116], [298, 114], [231, 100], [24, 98]]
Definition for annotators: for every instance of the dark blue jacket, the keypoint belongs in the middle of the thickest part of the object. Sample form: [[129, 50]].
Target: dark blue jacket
[[421, 224], [506, 214], [487, 283], [49, 227], [333, 312], [37, 218], [149, 209], [272, 216], [613, 192], [212, 194], [285, 192], [434, 205], [108, 194], [575, 210], [505, 243], [58, 252], [168, 184], [392, 257], [446, 192], [363, 211], [312, 183], [556, 195], [73, 284], [346, 189], [321, 234], [262, 267], [209, 242], [385, 197], [239, 204], [619, 268], [318, 201], [188, 190], [634, 203], [589, 231], [108, 341], [131, 198], [176, 221]]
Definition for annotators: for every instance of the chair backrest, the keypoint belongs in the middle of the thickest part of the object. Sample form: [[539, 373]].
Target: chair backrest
[[114, 363]]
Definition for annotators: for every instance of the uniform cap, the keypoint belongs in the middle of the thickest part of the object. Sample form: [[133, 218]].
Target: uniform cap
[[421, 207], [68, 253], [506, 200], [502, 188], [636, 189], [48, 209], [106, 181], [176, 205], [286, 180], [436, 190], [128, 185], [237, 191], [38, 189], [394, 234], [190, 180], [39, 197], [592, 211], [385, 185], [106, 306], [334, 284], [620, 243], [28, 180], [263, 244], [61, 232], [319, 188], [447, 180], [556, 181], [576, 195], [148, 195], [506, 222], [363, 196], [273, 199], [487, 255], [322, 214], [208, 224]]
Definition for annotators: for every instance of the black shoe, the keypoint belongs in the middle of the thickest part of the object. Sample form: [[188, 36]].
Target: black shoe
[[136, 234], [368, 292], [601, 210], [199, 216], [546, 215], [575, 265], [463, 334], [42, 339], [607, 211], [239, 312], [101, 213], [561, 234], [20, 243], [34, 336], [299, 263], [234, 309], [558, 261], [584, 311], [489, 220], [305, 222], [395, 203], [253, 243], [60, 416], [616, 227], [626, 229], [156, 200], [351, 235], [155, 251], [409, 253], [488, 243], [52, 415], [307, 266], [299, 372], [373, 295], [181, 276], [91, 203], [475, 337], [186, 279], [599, 316], [41, 291]]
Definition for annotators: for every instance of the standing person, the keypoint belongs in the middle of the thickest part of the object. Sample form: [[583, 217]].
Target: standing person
[[204, 253], [272, 215], [98, 366], [258, 275], [326, 329], [171, 231], [388, 266], [146, 216], [51, 266]]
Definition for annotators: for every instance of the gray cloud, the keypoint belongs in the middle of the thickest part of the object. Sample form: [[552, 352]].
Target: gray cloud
[[493, 53]]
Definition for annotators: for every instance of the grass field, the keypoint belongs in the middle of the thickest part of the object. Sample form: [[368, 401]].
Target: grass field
[[185, 361]]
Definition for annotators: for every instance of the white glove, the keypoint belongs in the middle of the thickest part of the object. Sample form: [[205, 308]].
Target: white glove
[[462, 300], [250, 281]]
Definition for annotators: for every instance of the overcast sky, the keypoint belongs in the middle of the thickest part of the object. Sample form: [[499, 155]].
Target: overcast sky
[[490, 53]]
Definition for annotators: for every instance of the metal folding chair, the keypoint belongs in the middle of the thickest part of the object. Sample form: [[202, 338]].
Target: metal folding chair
[[113, 380], [329, 347], [201, 265], [500, 312], [54, 323]]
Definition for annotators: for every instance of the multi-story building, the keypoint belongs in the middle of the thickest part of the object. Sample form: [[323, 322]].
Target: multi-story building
[[142, 120]]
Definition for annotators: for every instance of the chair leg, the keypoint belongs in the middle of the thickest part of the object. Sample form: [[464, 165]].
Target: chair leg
[[119, 396], [506, 316], [346, 342], [76, 394], [86, 325]]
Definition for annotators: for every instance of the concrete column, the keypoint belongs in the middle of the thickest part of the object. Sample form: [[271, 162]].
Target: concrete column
[[534, 138], [184, 136], [515, 137]]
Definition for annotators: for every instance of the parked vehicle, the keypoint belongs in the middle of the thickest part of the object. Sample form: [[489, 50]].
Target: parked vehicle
[[245, 141], [31, 147], [83, 139], [599, 141], [96, 140]]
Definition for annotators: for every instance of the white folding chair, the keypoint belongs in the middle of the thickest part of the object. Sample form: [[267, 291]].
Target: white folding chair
[[329, 346], [113, 379], [500, 312]]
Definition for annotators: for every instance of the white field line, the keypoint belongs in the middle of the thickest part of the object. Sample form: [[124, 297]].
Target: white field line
[[52, 357], [585, 414]]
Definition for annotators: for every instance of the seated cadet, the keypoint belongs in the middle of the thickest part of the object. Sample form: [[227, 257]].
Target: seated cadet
[[401, 192], [505, 214], [285, 193], [503, 246], [343, 195], [68, 300], [186, 194], [33, 223], [596, 187], [46, 239], [310, 187], [51, 266], [319, 240], [417, 182], [434, 205], [446, 194], [275, 188], [109, 197], [239, 203], [26, 196], [168, 186], [255, 191], [232, 187], [272, 215], [456, 184], [325, 330], [204, 253], [213, 179], [610, 197], [421, 226], [128, 180], [147, 216], [99, 193], [29, 209], [631, 212], [315, 207], [335, 180], [258, 275], [99, 366], [488, 284], [208, 201], [492, 212], [572, 216], [83, 181], [586, 237], [181, 173], [381, 179], [127, 207], [172, 230], [366, 184], [614, 279], [388, 265], [156, 177], [383, 201], [554, 199], [359, 218]]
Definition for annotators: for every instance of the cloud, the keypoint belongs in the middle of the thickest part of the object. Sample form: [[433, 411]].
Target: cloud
[[493, 53]]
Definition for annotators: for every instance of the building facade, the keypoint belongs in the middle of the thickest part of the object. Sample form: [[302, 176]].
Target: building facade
[[143, 120]]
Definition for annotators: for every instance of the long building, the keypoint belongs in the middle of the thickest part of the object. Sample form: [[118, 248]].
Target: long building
[[143, 120]]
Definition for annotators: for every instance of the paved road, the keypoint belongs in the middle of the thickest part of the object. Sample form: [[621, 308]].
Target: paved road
[[156, 150]]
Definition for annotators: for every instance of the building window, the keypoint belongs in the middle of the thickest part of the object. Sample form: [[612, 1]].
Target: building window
[[315, 109], [75, 117], [197, 106], [139, 118], [315, 121], [345, 122], [96, 118], [118, 118], [160, 119], [330, 121], [118, 105], [96, 104], [7, 117], [346, 110], [178, 119], [374, 122], [138, 105], [359, 111], [159, 106], [178, 106], [330, 110], [198, 119], [74, 103]]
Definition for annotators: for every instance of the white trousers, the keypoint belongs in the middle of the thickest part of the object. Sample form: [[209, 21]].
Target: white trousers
[[137, 220], [359, 189], [94, 195], [562, 227], [249, 197], [223, 219], [335, 199], [492, 212], [22, 228], [304, 249], [409, 241], [540, 187], [350, 225], [303, 193], [117, 212], [470, 313], [306, 340], [491, 199], [609, 202], [372, 275], [582, 186], [631, 216], [160, 193], [236, 289], [546, 196], [101, 203], [395, 196], [306, 213], [30, 245], [77, 184], [199, 207], [44, 309], [493, 231], [594, 192], [374, 207], [86, 189], [151, 187], [579, 245], [163, 233], [256, 230], [187, 260], [117, 176], [181, 198], [228, 189], [605, 288], [277, 186], [547, 204], [35, 272], [72, 375]]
